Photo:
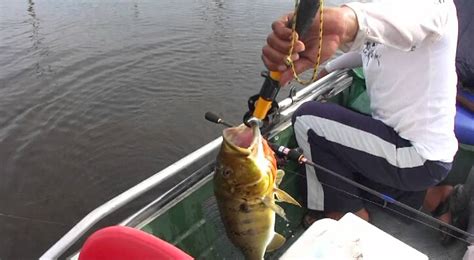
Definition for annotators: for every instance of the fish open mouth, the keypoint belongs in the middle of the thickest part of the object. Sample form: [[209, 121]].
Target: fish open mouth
[[242, 137]]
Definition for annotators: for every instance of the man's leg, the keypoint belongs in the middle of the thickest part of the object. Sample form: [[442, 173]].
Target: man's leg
[[434, 197], [336, 197], [348, 142]]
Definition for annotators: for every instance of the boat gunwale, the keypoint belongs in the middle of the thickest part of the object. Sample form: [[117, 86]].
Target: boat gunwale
[[310, 92]]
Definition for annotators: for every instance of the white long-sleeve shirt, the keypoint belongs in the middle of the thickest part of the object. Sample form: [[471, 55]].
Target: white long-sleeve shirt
[[407, 50], [349, 60]]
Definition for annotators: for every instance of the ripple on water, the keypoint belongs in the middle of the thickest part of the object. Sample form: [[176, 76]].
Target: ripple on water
[[98, 95]]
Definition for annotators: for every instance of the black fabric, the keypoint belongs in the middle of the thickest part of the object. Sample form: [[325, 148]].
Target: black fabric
[[470, 188], [465, 52]]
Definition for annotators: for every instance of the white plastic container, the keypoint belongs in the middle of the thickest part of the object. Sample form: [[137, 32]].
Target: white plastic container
[[349, 238]]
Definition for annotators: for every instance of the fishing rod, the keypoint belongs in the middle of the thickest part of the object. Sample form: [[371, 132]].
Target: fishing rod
[[262, 105], [297, 156]]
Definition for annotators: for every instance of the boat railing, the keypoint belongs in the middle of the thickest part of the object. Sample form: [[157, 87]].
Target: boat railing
[[327, 86]]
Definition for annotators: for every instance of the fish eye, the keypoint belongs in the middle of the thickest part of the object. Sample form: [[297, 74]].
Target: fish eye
[[226, 172]]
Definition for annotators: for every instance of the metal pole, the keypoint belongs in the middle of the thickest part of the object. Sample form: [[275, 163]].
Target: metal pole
[[111, 206]]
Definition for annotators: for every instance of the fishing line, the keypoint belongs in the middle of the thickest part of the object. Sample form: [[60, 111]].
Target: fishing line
[[297, 156], [384, 206], [391, 200], [289, 62]]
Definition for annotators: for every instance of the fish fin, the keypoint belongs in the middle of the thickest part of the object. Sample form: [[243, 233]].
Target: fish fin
[[279, 177], [285, 197], [277, 241], [278, 210]]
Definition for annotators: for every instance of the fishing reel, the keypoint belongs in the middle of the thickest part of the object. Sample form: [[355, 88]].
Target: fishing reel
[[267, 95], [285, 155]]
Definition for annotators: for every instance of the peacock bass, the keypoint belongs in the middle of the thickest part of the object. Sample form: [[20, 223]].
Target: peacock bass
[[245, 186]]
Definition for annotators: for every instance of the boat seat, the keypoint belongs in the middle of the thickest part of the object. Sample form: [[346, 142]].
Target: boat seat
[[464, 124], [120, 242]]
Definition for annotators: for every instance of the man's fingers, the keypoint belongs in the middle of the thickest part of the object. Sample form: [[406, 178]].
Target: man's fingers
[[280, 29], [276, 57], [300, 66], [277, 64], [273, 66], [284, 45], [273, 55]]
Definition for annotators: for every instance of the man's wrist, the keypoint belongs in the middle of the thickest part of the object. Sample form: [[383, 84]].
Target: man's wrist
[[351, 26]]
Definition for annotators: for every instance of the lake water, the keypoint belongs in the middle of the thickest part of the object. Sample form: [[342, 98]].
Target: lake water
[[96, 96]]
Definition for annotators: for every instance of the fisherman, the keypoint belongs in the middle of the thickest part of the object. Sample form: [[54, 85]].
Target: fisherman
[[406, 147]]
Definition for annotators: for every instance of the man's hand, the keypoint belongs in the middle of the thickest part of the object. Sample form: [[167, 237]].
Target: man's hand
[[340, 26]]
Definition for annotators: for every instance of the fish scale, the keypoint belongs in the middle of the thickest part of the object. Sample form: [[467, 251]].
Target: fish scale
[[245, 188]]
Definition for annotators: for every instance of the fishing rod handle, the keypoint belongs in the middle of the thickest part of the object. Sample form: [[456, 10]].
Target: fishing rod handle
[[305, 15], [295, 154]]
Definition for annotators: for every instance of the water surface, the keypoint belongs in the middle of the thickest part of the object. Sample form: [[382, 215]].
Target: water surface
[[96, 96]]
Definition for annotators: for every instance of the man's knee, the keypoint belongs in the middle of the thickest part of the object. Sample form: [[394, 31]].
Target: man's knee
[[313, 108]]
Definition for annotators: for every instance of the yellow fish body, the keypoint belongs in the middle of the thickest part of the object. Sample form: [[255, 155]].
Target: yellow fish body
[[245, 186]]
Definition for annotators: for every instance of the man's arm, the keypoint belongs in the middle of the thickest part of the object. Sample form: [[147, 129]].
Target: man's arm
[[399, 24], [347, 60]]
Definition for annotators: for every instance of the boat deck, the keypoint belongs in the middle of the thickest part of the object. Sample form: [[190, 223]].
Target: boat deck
[[194, 224], [419, 236], [187, 214], [209, 227]]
